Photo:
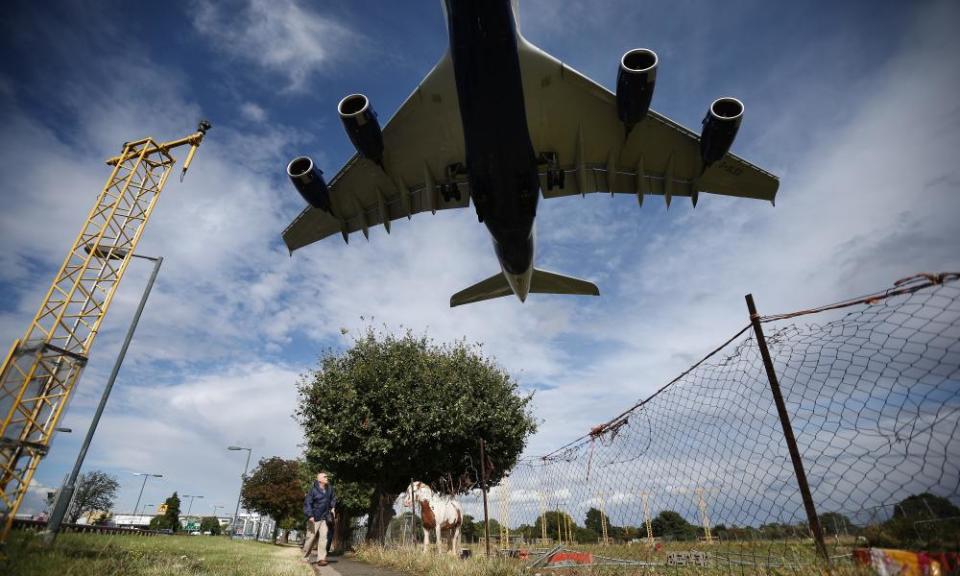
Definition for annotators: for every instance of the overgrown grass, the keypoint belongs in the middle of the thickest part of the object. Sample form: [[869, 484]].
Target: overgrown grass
[[416, 563], [121, 555]]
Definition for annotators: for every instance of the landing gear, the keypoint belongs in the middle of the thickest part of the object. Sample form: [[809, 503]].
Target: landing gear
[[450, 191], [555, 174]]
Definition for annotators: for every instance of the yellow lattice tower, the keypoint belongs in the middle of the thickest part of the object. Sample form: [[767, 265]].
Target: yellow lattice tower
[[42, 368], [645, 498], [702, 505], [603, 520], [543, 516]]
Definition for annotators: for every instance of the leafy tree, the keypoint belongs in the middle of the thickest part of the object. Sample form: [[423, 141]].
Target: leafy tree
[[275, 489], [921, 520], [672, 524], [835, 524], [469, 531], [554, 520], [170, 519], [595, 520], [210, 524], [391, 409], [95, 491]]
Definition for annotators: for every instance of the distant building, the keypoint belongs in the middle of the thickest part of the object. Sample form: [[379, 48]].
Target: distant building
[[252, 526], [133, 521]]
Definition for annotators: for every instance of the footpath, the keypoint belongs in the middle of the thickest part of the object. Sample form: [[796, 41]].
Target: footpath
[[340, 566]]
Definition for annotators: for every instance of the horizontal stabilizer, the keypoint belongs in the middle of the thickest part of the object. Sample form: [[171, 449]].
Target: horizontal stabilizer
[[544, 282], [493, 287]]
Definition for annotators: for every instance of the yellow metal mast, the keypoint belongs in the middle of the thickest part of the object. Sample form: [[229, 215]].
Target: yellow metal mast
[[42, 368]]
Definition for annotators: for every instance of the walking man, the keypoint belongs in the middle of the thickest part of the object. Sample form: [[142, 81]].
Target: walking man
[[320, 505]]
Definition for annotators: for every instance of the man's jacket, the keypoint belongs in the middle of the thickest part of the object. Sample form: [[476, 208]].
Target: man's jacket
[[320, 501]]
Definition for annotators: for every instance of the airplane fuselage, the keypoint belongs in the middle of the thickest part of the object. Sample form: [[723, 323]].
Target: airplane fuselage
[[500, 159]]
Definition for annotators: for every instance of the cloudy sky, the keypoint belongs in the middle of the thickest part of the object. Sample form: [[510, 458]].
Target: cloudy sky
[[853, 105]]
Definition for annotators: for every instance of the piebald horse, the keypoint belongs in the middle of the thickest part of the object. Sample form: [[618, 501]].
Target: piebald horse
[[438, 512]]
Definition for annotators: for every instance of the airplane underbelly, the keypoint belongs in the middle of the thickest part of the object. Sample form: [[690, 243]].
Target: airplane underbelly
[[501, 162]]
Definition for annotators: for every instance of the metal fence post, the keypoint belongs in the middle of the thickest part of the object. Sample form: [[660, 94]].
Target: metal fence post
[[483, 486], [791, 440]]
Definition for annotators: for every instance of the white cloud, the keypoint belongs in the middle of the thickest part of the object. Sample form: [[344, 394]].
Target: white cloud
[[253, 112], [285, 37]]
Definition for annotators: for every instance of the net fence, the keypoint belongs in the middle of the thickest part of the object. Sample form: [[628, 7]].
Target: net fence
[[700, 472]]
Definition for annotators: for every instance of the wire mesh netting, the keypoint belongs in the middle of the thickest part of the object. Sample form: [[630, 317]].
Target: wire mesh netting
[[699, 473]]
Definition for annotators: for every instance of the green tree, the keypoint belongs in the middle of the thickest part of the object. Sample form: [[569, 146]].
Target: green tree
[[836, 524], [391, 409], [275, 489], [595, 520], [170, 520], [210, 524], [672, 525], [554, 520], [95, 492], [469, 529], [921, 520]]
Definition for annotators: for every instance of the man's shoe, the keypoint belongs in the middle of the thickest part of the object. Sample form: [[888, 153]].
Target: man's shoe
[[322, 563]]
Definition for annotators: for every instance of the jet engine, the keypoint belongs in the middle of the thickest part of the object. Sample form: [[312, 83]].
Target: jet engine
[[635, 82], [309, 182], [360, 122], [720, 127]]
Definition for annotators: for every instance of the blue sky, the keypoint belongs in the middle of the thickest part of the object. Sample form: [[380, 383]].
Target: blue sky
[[852, 104]]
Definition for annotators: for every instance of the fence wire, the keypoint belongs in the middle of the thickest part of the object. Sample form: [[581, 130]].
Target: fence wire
[[699, 472]]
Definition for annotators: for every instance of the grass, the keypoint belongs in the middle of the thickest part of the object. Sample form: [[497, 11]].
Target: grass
[[416, 563], [741, 561], [122, 555]]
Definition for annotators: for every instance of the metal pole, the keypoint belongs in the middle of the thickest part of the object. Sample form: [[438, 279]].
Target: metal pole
[[142, 486], [243, 478], [483, 487], [808, 504], [60, 510]]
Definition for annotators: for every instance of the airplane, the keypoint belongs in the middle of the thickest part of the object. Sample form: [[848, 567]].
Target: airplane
[[500, 122]]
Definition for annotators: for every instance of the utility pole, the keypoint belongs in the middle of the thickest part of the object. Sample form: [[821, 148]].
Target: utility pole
[[243, 478], [66, 493]]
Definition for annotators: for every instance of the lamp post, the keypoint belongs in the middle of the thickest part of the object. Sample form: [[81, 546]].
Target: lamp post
[[146, 476], [66, 493], [215, 510], [191, 497], [233, 525]]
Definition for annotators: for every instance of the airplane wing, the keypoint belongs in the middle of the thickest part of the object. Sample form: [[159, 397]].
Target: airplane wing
[[421, 141], [576, 118]]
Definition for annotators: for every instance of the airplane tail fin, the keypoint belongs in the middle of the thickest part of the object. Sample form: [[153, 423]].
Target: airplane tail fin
[[493, 287], [544, 282]]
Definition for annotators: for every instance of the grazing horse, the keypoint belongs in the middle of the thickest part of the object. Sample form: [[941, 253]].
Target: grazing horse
[[438, 512]]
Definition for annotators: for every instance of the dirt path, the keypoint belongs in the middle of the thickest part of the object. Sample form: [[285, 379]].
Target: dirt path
[[338, 566]]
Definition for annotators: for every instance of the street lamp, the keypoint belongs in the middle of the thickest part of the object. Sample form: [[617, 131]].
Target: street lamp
[[215, 510], [146, 476], [66, 493], [191, 497], [233, 526]]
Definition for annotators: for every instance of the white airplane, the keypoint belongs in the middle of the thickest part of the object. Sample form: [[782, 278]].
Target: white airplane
[[502, 122]]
